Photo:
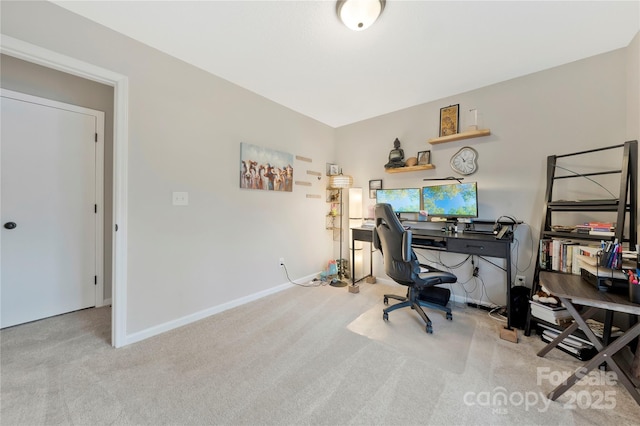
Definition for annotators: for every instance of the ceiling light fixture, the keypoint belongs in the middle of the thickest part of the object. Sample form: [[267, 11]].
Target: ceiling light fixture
[[359, 15]]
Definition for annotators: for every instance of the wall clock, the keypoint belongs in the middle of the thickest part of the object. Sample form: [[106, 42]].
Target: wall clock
[[465, 161]]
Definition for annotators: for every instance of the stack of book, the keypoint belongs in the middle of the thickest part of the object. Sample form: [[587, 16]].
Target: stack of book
[[554, 314], [604, 229], [573, 345]]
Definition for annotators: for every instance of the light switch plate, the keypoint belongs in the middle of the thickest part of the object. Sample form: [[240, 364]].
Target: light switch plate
[[180, 198]]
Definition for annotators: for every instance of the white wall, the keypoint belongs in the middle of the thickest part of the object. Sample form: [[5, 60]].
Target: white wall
[[185, 130], [633, 88], [633, 93], [570, 108]]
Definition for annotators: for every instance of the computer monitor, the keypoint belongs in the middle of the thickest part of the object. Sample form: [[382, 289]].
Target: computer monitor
[[451, 201], [402, 200]]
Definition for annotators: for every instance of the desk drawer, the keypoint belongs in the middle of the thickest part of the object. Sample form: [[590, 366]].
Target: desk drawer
[[478, 247]]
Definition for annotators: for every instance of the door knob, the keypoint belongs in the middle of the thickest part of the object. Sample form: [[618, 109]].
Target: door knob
[[10, 225]]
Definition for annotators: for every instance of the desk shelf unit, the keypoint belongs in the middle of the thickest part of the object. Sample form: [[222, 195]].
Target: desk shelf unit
[[623, 209]]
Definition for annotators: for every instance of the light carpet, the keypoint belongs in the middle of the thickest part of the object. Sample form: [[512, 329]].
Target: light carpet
[[291, 358], [447, 347]]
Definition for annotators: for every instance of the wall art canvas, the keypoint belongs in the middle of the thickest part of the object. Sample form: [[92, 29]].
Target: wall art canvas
[[265, 169]]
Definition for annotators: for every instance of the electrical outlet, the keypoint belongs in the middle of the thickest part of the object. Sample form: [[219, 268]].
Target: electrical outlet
[[281, 262], [520, 280], [180, 199]]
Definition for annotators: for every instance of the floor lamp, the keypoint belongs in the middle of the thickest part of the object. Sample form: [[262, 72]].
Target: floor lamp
[[355, 221], [340, 182]]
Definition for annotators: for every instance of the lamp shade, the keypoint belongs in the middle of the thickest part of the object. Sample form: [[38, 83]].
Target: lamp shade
[[358, 15], [340, 181]]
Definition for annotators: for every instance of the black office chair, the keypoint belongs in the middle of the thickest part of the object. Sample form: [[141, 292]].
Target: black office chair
[[401, 264]]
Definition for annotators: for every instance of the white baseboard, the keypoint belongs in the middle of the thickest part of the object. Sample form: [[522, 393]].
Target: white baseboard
[[188, 319]]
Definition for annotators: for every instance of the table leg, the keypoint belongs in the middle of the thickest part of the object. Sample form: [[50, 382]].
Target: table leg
[[604, 355], [573, 327], [353, 260]]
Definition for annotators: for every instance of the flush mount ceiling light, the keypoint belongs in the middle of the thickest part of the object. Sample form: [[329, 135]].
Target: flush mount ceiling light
[[358, 15]]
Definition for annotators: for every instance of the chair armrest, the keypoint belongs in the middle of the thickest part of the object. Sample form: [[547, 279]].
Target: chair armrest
[[375, 240], [407, 251]]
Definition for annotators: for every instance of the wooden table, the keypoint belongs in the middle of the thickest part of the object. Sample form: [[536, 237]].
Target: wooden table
[[572, 290]]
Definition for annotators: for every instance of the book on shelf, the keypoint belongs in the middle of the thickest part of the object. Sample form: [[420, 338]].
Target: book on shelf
[[575, 264], [570, 340], [601, 225], [544, 257], [555, 254], [583, 229], [559, 254], [602, 233], [583, 354], [547, 306], [549, 313], [573, 345], [566, 256]]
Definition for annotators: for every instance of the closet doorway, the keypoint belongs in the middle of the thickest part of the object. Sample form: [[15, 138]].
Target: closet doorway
[[116, 161]]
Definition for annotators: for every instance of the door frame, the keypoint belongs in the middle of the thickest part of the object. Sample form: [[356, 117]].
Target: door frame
[[50, 59], [98, 298]]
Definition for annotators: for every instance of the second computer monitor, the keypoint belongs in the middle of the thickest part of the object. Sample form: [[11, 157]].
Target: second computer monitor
[[451, 201]]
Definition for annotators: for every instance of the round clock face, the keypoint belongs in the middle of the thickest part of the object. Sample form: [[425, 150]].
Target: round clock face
[[465, 161]]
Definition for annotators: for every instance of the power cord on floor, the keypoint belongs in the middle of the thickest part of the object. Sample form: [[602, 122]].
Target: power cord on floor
[[499, 317], [315, 283]]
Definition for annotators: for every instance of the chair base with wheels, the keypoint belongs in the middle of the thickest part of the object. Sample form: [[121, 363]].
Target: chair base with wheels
[[428, 297], [401, 265]]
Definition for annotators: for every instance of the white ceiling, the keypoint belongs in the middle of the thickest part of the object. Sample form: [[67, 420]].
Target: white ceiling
[[298, 54]]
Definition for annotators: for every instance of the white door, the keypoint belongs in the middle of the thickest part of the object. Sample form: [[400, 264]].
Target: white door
[[48, 208]]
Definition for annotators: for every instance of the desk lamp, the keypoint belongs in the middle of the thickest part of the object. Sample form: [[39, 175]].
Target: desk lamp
[[340, 182]]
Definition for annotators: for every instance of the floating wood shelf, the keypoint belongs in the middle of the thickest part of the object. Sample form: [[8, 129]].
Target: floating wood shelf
[[459, 136], [410, 168]]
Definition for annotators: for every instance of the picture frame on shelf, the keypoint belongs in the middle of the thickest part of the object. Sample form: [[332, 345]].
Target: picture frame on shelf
[[333, 169], [449, 118], [374, 185], [424, 157]]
